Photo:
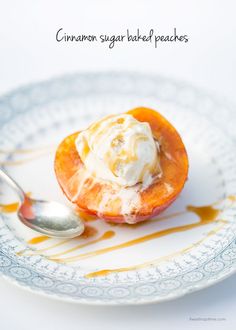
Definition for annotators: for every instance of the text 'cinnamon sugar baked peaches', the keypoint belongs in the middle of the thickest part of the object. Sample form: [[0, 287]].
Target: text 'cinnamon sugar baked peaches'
[[123, 168]]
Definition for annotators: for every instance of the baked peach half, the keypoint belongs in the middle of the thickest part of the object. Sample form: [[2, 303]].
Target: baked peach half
[[120, 193]]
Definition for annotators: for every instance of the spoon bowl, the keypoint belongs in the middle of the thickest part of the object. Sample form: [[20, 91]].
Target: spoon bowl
[[47, 217], [50, 218]]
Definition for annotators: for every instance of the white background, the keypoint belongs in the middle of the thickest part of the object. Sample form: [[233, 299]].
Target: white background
[[29, 52]]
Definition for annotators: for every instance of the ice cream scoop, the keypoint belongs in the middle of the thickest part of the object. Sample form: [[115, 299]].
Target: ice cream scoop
[[119, 149]]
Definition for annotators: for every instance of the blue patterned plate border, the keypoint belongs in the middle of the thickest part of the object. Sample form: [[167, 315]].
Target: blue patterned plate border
[[153, 289]]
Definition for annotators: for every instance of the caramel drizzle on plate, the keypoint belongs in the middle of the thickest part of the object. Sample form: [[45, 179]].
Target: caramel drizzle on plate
[[38, 239], [206, 214], [11, 207], [87, 217], [36, 153], [105, 272], [25, 150], [89, 232], [107, 235]]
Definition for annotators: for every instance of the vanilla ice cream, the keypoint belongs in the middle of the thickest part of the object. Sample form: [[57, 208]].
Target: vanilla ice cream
[[119, 149]]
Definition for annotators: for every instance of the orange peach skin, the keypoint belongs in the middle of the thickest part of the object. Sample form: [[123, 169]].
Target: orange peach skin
[[154, 199]]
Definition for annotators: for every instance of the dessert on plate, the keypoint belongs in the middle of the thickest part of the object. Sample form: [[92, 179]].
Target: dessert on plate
[[123, 168]]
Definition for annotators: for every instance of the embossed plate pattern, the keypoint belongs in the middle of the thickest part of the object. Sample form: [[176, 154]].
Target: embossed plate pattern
[[42, 114]]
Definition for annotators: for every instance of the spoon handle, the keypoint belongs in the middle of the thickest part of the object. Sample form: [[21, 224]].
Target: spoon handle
[[12, 183]]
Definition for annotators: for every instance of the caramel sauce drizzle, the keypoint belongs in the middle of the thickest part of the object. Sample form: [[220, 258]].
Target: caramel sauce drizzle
[[87, 217], [89, 231], [9, 208], [38, 239], [206, 214], [232, 198], [105, 272], [107, 235], [23, 161], [37, 153], [25, 150]]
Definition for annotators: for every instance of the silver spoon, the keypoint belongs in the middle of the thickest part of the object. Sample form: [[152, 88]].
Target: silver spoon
[[50, 218]]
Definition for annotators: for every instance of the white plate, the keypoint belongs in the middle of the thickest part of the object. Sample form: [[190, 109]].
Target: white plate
[[36, 118]]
